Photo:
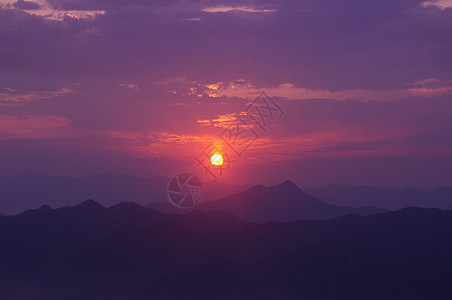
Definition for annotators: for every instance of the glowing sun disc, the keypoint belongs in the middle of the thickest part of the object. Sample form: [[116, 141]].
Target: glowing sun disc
[[216, 160]]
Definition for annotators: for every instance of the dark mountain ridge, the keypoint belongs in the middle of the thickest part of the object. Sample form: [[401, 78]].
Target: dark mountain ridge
[[129, 252], [20, 192], [283, 202], [388, 198]]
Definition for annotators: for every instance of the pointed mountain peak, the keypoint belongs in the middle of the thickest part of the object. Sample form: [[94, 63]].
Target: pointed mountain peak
[[127, 207], [45, 207], [283, 188], [288, 185], [90, 204]]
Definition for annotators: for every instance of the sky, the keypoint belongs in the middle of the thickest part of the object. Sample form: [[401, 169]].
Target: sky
[[363, 89]]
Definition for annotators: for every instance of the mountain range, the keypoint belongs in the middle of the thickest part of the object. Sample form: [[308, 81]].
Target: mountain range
[[388, 198], [20, 192], [283, 202], [130, 252]]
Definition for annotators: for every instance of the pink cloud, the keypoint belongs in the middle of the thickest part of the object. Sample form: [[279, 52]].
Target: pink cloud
[[32, 127], [12, 95]]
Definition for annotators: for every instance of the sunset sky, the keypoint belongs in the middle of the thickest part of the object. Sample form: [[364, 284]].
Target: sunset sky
[[142, 87]]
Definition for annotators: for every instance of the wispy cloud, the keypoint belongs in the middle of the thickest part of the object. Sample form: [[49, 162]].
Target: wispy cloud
[[430, 87], [12, 95], [441, 4], [31, 126], [132, 86], [248, 9], [223, 121], [44, 9]]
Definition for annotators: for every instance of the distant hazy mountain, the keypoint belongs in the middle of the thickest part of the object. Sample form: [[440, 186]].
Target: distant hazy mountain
[[129, 252], [284, 202], [21, 192], [166, 207], [384, 197]]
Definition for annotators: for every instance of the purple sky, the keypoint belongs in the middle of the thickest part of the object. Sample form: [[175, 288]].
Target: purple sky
[[142, 87]]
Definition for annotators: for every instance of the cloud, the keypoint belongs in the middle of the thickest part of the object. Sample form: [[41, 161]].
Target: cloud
[[46, 10], [12, 95], [31, 126], [391, 56], [311, 44], [430, 87], [131, 86], [441, 4], [223, 121], [248, 9], [26, 5]]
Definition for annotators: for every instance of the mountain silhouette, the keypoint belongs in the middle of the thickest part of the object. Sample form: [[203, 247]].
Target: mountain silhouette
[[89, 205], [130, 252], [283, 202], [388, 198], [20, 192], [166, 207]]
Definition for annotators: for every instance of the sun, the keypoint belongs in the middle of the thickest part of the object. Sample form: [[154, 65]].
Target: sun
[[216, 159]]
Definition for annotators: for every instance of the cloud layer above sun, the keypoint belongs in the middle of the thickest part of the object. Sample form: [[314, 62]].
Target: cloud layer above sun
[[142, 86]]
